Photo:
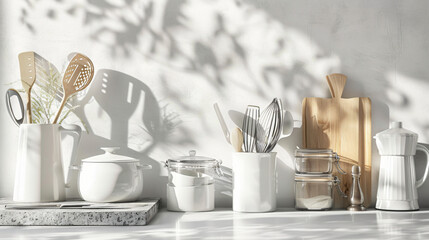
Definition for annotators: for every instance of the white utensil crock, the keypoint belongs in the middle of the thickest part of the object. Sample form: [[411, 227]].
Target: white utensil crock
[[254, 182], [39, 175], [111, 178]]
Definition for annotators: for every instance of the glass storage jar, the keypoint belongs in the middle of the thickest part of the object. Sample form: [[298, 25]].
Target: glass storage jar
[[190, 184], [315, 192], [316, 161]]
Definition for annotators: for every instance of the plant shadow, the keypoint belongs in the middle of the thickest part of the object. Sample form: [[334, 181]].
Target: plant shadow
[[122, 111]]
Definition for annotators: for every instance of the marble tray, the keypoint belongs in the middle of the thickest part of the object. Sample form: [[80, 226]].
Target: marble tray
[[72, 214]]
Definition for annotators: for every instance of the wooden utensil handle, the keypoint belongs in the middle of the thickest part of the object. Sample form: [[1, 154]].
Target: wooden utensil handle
[[336, 82], [29, 117], [63, 102]]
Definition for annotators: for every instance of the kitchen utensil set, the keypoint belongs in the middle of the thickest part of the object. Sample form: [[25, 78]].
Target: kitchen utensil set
[[77, 77], [262, 131]]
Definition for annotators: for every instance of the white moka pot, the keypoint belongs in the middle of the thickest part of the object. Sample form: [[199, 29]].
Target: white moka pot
[[397, 184], [111, 177]]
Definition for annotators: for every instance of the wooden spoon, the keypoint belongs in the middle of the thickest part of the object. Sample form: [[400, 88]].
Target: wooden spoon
[[237, 139], [28, 77], [78, 76]]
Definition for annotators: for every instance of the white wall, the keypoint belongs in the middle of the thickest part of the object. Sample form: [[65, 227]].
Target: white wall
[[167, 62]]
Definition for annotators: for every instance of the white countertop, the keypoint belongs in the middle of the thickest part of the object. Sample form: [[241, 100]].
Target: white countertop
[[226, 224]]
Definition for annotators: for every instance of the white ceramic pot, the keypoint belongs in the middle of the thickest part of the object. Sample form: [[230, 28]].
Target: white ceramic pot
[[111, 178]]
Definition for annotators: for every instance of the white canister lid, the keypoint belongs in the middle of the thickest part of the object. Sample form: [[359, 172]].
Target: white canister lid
[[110, 156]]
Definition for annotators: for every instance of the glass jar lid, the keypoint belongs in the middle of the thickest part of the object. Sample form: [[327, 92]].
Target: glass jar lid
[[193, 160], [320, 153], [315, 153]]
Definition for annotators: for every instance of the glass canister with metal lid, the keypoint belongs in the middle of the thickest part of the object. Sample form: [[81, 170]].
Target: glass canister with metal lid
[[315, 192], [316, 161], [191, 182]]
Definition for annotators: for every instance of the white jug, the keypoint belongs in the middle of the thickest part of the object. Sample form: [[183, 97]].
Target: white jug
[[397, 185], [39, 175]]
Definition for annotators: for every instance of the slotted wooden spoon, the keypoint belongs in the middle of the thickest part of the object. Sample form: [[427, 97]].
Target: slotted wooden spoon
[[28, 77], [78, 76]]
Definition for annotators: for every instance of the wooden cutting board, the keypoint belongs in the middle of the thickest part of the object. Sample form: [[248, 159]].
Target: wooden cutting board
[[343, 125]]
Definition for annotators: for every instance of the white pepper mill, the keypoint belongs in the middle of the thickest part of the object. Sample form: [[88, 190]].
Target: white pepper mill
[[356, 195]]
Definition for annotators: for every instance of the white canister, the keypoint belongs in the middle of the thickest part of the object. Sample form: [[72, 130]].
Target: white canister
[[111, 178], [254, 182], [190, 199]]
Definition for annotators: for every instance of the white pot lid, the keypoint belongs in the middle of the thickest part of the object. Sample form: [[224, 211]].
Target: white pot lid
[[110, 156]]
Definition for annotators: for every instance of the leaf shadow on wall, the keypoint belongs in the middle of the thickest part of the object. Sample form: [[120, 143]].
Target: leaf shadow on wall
[[150, 29], [121, 110]]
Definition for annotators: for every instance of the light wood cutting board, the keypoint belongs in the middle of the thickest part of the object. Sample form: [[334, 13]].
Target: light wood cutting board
[[343, 125]]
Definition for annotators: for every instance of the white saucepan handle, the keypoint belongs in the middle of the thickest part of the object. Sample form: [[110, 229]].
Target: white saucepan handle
[[420, 182]]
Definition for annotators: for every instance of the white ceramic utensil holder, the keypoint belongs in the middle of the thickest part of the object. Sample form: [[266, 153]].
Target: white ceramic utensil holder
[[39, 173], [254, 182]]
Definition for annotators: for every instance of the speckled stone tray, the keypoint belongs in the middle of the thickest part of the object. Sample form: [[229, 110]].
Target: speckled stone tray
[[114, 214]]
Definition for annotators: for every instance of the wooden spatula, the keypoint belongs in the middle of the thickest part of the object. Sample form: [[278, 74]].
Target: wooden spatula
[[78, 76], [237, 139], [28, 77]]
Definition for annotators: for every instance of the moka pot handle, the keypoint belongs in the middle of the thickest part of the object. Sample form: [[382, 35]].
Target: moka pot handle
[[422, 148]]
